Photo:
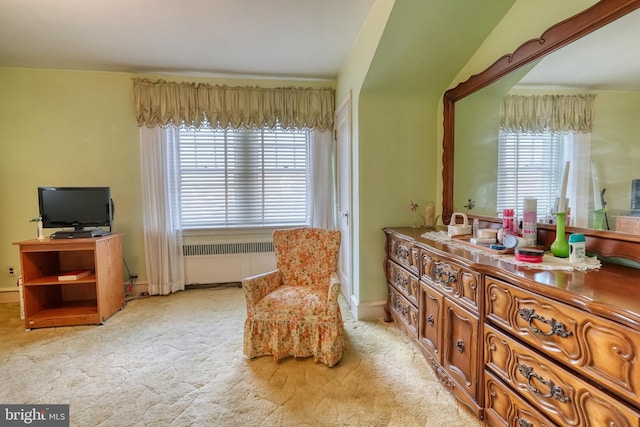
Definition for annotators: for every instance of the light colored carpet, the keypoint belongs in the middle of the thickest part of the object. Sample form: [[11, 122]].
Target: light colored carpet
[[177, 361]]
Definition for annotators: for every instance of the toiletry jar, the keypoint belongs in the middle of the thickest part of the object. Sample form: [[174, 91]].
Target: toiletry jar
[[529, 255]]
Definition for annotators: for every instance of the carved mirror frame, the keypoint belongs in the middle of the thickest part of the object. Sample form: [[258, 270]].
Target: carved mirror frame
[[605, 243]]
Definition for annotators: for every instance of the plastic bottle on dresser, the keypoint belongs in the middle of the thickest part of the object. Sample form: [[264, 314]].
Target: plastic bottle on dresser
[[512, 241], [508, 222], [530, 221], [577, 248]]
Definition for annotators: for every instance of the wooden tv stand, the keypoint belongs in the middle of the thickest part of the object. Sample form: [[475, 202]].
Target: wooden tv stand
[[89, 300]]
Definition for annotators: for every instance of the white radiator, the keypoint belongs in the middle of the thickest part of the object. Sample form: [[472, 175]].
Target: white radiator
[[206, 263]]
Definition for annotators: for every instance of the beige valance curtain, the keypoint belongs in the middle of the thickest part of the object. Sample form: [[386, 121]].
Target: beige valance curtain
[[547, 113], [163, 103]]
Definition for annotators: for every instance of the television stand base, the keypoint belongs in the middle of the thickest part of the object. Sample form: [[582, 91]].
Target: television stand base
[[79, 234]]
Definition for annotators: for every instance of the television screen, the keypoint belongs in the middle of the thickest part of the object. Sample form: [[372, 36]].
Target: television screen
[[76, 207]]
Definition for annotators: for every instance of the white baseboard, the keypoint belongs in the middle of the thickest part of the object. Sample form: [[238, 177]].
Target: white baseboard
[[9, 295], [368, 310], [139, 288]]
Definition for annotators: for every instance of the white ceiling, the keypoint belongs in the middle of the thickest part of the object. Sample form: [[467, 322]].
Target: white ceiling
[[607, 59], [279, 38]]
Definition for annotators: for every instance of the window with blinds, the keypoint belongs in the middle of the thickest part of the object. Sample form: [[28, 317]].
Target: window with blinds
[[243, 178], [529, 165]]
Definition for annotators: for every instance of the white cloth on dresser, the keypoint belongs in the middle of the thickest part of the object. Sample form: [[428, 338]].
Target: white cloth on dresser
[[549, 262]]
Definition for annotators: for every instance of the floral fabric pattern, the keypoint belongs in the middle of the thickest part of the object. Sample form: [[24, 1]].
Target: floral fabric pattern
[[294, 311]]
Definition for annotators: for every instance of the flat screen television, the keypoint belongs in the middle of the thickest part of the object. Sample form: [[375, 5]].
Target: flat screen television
[[77, 207]]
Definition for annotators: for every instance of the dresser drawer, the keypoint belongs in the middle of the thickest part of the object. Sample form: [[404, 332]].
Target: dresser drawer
[[405, 282], [462, 338], [559, 394], [404, 253], [431, 323], [503, 407], [454, 280], [403, 311], [600, 349]]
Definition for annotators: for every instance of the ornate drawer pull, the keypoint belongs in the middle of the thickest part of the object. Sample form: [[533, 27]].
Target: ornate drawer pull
[[402, 252], [557, 328], [401, 308], [448, 277], [554, 390], [523, 423], [460, 345], [401, 280], [430, 319]]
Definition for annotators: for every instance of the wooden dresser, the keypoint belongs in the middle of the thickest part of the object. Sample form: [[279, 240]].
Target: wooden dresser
[[520, 347]]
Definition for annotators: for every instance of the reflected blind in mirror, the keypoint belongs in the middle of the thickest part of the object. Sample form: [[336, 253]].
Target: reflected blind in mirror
[[528, 167]]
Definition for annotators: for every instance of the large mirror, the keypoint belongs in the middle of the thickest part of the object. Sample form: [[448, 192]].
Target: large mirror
[[592, 53]]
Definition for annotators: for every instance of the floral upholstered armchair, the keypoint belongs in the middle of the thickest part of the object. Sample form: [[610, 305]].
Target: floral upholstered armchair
[[293, 310]]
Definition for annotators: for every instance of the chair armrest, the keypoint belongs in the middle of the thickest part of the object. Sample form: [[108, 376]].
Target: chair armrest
[[334, 292], [256, 287]]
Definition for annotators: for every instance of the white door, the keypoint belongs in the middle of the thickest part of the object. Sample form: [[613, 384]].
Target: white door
[[343, 193]]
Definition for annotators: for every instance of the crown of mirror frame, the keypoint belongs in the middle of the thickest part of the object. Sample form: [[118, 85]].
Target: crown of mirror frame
[[607, 17]]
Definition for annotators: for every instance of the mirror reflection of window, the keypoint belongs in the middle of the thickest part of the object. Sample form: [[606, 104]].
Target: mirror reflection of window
[[538, 136], [528, 166]]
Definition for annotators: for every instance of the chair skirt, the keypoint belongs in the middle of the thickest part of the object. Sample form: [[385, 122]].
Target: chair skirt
[[282, 334]]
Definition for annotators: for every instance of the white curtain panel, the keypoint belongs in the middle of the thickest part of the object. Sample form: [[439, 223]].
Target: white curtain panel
[[161, 209], [578, 153], [320, 180]]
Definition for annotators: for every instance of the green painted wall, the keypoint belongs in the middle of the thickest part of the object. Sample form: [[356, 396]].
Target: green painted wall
[[615, 146], [350, 79], [424, 44], [66, 128], [422, 52], [76, 128]]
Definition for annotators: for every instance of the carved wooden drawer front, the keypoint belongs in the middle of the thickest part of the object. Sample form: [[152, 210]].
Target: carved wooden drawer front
[[460, 347], [404, 310], [403, 281], [560, 394], [602, 350], [426, 265], [404, 253], [456, 281], [506, 408], [431, 328]]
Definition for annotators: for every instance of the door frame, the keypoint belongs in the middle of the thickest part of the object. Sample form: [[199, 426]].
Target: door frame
[[344, 107]]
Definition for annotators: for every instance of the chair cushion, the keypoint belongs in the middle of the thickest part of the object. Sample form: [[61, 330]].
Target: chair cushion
[[298, 301]]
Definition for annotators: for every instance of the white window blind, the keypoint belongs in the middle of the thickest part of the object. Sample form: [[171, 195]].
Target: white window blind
[[529, 165], [243, 178]]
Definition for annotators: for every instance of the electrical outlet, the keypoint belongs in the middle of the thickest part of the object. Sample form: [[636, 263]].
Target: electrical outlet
[[11, 271]]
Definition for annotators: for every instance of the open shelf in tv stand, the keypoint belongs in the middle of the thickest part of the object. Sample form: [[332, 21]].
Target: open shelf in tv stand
[[91, 299]]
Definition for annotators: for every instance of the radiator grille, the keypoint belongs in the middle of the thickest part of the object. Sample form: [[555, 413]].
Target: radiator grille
[[199, 249]]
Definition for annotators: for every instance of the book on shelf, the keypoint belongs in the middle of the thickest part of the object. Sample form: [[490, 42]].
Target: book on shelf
[[73, 275]]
